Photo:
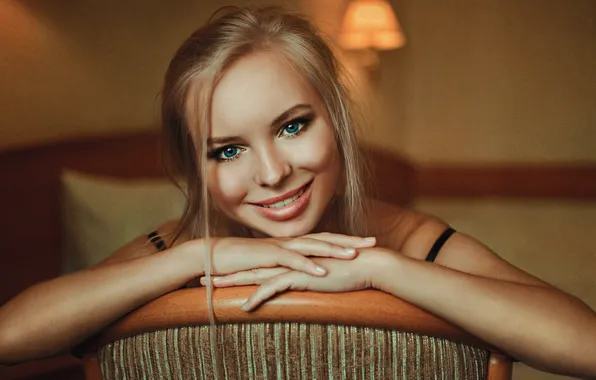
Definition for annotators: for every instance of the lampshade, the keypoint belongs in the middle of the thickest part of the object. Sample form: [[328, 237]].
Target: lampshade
[[371, 24]]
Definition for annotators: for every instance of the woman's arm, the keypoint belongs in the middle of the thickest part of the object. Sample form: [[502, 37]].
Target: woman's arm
[[472, 288], [141, 246], [56, 314], [476, 290]]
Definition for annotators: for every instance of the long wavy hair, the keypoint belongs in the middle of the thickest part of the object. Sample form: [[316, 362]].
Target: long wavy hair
[[195, 70], [230, 34]]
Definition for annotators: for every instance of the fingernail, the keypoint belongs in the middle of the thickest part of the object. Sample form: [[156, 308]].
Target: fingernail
[[350, 251], [370, 239], [244, 306], [320, 270]]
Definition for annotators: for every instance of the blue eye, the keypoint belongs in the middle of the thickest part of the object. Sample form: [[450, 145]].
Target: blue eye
[[295, 127], [292, 128], [229, 151], [226, 153]]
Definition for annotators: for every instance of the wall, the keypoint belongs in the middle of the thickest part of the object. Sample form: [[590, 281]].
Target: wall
[[492, 81], [500, 82], [70, 68], [550, 240], [479, 81]]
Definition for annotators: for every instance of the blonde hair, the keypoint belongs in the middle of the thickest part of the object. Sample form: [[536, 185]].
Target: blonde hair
[[201, 61], [193, 73]]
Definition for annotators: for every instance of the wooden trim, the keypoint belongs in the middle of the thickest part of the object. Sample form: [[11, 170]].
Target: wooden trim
[[30, 198], [555, 181], [391, 178], [370, 308], [499, 367], [92, 367]]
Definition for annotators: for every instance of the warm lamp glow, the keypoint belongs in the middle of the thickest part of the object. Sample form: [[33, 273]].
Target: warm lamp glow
[[371, 24]]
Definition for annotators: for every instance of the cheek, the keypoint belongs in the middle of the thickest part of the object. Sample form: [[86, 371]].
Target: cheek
[[226, 184], [318, 152]]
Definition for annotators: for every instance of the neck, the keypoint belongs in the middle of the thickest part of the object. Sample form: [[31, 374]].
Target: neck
[[330, 221]]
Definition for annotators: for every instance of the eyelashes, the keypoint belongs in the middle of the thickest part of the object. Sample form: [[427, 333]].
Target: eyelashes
[[289, 130], [226, 153]]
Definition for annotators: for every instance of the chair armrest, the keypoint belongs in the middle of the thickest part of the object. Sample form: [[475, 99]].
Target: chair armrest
[[370, 308]]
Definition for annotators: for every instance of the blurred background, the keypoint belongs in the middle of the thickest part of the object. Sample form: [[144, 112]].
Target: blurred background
[[492, 102]]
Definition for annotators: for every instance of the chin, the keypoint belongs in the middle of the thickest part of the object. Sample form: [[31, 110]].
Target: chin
[[288, 229]]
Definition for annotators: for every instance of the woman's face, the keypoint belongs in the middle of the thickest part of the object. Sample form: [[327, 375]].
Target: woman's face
[[273, 163]]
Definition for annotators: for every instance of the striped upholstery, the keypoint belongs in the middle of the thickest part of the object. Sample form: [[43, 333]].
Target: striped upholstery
[[289, 351]]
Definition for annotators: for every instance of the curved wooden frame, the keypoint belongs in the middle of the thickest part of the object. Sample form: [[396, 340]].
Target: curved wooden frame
[[369, 308]]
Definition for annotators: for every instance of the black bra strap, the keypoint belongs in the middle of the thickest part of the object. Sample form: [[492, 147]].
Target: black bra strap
[[434, 251], [157, 241]]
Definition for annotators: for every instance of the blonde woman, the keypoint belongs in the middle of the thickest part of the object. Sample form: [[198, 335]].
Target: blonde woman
[[258, 123]]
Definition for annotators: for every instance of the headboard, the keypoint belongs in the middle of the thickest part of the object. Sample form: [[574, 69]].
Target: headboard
[[30, 195]]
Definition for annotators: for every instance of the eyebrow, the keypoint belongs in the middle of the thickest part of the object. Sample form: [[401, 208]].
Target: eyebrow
[[274, 124]]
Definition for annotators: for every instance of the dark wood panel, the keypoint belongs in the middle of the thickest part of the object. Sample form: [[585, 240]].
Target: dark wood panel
[[30, 199], [555, 181], [393, 176]]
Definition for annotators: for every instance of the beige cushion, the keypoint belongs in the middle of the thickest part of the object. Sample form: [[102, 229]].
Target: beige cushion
[[288, 351], [101, 214]]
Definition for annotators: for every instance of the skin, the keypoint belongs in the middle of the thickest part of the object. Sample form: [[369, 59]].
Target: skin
[[271, 151], [468, 285]]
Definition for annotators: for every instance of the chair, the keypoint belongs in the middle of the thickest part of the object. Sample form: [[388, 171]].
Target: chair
[[298, 335]]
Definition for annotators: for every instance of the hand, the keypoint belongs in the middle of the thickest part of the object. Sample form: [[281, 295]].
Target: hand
[[232, 255], [343, 276]]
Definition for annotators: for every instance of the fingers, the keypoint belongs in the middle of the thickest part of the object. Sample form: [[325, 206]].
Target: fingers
[[238, 255], [328, 245], [234, 255], [277, 284], [272, 280], [344, 240], [315, 247], [249, 277], [294, 260]]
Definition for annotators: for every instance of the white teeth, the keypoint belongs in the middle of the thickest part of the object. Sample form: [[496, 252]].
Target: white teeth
[[278, 204], [285, 201]]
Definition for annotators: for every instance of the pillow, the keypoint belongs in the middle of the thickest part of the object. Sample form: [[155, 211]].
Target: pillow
[[101, 214]]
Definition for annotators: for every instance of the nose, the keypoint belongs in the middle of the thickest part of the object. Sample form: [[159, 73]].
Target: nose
[[273, 167]]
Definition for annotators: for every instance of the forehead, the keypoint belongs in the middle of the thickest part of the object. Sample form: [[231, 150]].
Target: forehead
[[254, 91]]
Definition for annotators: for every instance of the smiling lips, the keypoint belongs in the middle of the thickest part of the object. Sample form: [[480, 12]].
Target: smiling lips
[[286, 206]]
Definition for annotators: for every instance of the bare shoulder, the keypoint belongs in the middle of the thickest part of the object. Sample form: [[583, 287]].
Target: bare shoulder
[[392, 224], [142, 246], [413, 234], [466, 253]]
